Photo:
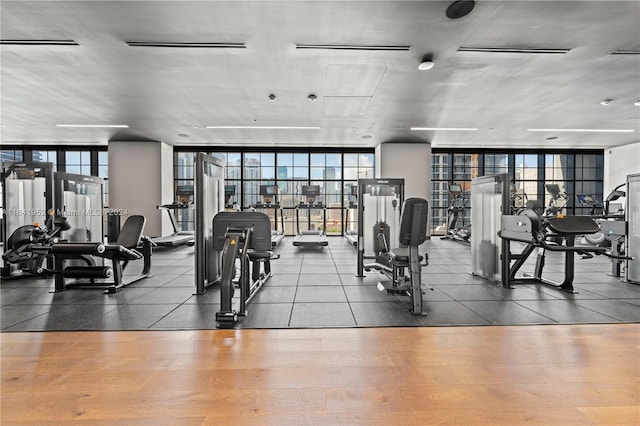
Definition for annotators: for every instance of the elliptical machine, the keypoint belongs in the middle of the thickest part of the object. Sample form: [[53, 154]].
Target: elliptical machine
[[456, 228]]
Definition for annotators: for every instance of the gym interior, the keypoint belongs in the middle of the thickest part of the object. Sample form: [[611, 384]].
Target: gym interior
[[292, 212]]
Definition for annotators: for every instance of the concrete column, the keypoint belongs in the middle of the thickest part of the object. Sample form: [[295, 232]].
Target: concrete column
[[410, 161], [140, 178]]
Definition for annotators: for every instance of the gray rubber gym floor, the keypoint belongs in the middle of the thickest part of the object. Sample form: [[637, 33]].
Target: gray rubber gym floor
[[318, 288]]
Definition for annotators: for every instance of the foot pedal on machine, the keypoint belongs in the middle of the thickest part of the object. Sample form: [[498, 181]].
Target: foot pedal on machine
[[226, 319]]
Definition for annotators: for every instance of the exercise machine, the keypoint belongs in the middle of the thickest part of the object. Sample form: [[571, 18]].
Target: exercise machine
[[613, 226], [183, 204], [393, 262], [518, 199], [131, 246], [351, 235], [243, 237], [270, 202], [311, 237], [632, 245], [555, 234], [209, 175], [35, 193], [379, 207], [21, 247], [557, 200], [230, 204], [456, 228]]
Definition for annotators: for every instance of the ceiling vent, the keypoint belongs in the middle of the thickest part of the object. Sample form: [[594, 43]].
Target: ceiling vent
[[626, 52], [186, 45], [388, 48], [39, 42], [513, 50]]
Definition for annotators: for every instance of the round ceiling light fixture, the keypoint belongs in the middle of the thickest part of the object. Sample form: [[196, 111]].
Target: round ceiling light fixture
[[366, 136], [606, 102], [183, 135], [460, 8], [272, 97], [312, 98], [426, 63], [637, 103]]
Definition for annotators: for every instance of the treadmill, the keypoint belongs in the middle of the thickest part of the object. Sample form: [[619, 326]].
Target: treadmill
[[178, 238], [311, 238], [268, 193]]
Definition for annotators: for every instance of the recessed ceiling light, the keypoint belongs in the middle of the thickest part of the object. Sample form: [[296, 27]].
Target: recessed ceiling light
[[272, 97], [312, 98], [637, 103], [183, 135], [606, 102], [366, 136], [119, 126], [583, 130], [265, 127], [464, 129]]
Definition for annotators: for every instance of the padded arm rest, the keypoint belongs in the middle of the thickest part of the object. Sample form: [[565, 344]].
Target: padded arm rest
[[96, 249], [121, 253]]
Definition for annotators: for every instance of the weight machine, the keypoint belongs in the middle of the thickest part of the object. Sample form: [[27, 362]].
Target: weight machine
[[393, 262], [243, 236]]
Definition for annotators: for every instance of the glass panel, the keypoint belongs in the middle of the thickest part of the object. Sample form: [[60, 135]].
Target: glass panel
[[74, 169], [301, 160], [285, 159], [301, 173], [350, 160], [351, 173], [72, 157], [334, 160], [317, 160], [366, 160], [317, 173], [285, 172]]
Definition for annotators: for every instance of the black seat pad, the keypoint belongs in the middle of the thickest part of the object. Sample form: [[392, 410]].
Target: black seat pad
[[401, 254], [573, 225]]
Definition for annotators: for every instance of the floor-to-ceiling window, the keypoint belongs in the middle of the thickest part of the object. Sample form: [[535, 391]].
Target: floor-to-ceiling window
[[334, 171], [552, 177]]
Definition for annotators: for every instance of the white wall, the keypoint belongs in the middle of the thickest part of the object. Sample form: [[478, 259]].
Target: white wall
[[140, 178], [618, 163]]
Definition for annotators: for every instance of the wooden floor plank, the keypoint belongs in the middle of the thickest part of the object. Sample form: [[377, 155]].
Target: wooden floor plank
[[560, 374]]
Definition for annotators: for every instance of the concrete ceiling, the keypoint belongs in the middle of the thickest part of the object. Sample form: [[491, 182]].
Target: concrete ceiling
[[363, 97]]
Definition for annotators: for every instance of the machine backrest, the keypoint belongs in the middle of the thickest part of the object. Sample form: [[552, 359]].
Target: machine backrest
[[131, 232], [257, 221], [413, 222]]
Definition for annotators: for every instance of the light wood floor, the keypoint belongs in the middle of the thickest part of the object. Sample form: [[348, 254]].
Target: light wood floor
[[539, 375]]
